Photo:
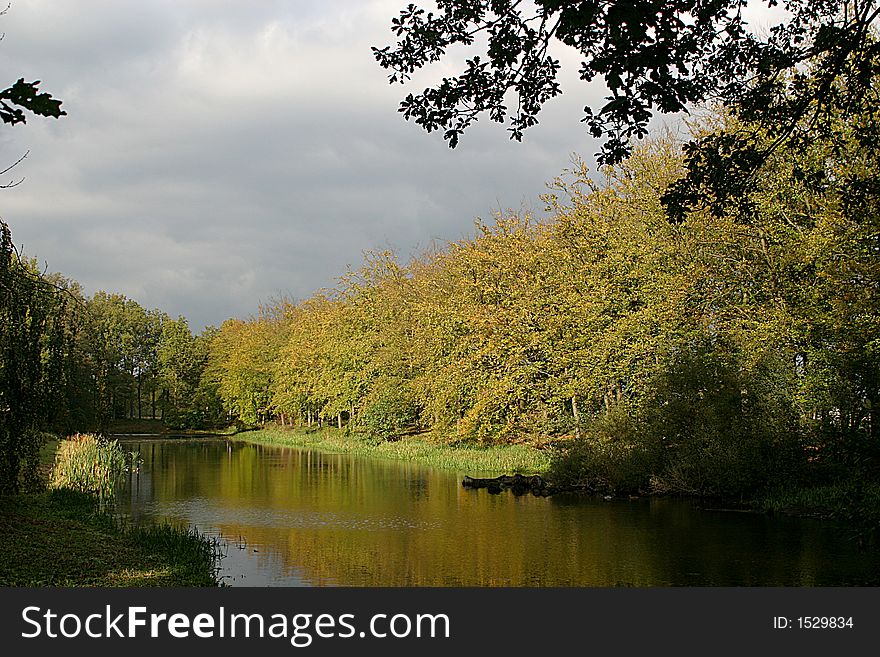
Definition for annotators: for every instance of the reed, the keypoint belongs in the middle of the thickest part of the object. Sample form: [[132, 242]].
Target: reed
[[193, 557], [90, 464]]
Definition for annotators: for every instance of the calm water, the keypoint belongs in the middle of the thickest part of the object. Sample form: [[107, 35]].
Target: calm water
[[298, 518]]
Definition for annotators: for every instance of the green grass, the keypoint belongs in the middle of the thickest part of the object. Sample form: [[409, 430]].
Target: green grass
[[461, 458], [60, 538]]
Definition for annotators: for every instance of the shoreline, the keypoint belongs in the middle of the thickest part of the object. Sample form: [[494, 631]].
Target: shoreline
[[61, 538]]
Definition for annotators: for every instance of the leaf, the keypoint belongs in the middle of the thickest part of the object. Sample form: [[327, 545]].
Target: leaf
[[26, 94]]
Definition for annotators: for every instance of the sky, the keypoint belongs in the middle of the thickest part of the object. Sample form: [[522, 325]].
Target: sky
[[217, 155]]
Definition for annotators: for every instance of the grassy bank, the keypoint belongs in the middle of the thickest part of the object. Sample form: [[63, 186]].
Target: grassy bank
[[419, 449], [61, 537]]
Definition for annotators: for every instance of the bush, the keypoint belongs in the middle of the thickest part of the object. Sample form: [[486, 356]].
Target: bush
[[610, 457], [726, 429], [705, 425], [391, 410]]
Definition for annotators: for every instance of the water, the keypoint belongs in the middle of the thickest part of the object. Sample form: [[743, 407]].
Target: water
[[292, 517]]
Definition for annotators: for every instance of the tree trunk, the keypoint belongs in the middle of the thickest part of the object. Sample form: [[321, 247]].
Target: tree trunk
[[339, 420], [577, 417]]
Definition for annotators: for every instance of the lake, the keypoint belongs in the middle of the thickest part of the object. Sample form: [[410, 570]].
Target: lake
[[294, 517]]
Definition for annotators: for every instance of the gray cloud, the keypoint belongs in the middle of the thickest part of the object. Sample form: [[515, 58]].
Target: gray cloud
[[216, 154]]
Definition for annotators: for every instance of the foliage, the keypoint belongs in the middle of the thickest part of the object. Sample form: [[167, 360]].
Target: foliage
[[652, 56], [187, 400], [240, 365], [609, 457], [390, 410], [815, 65], [721, 431], [123, 343], [21, 96]]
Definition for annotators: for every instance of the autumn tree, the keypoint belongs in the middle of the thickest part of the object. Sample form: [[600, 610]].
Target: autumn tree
[[187, 397], [241, 361]]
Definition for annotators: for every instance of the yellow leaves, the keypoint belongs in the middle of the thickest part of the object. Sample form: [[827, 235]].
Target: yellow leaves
[[242, 361]]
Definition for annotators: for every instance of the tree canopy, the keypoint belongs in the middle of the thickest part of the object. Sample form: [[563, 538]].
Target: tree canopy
[[654, 56]]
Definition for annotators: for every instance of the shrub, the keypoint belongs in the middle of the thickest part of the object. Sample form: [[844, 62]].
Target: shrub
[[391, 410], [611, 456]]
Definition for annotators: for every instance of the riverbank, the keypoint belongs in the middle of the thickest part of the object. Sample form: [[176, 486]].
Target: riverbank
[[61, 538], [419, 449]]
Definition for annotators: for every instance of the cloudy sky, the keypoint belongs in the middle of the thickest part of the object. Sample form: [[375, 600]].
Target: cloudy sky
[[217, 154]]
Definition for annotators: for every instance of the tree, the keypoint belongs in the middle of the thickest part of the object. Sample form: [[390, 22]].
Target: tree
[[125, 337], [34, 342], [240, 363], [653, 56], [34, 349], [181, 360]]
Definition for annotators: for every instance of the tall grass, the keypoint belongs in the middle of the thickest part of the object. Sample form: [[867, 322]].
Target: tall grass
[[90, 464], [193, 557]]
